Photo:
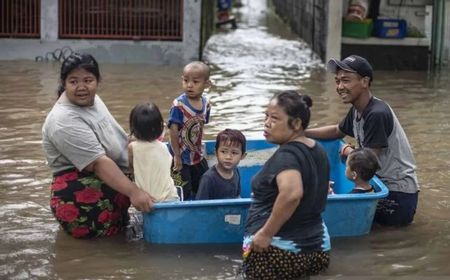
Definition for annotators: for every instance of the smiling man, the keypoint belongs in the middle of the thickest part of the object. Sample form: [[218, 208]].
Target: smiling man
[[374, 125]]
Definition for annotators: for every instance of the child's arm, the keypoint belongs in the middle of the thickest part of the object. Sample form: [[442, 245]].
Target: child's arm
[[177, 164], [208, 111], [130, 159]]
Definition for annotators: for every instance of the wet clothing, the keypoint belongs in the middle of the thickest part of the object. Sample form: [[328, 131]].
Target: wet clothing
[[379, 128], [281, 264], [396, 209], [86, 207], [72, 138], [214, 186], [152, 165], [305, 227], [304, 232], [191, 175], [361, 190], [190, 122]]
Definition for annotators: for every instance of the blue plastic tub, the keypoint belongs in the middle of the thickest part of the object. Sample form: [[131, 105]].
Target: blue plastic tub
[[223, 221]]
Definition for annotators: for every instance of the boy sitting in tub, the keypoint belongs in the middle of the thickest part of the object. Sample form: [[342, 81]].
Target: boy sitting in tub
[[361, 166], [222, 180]]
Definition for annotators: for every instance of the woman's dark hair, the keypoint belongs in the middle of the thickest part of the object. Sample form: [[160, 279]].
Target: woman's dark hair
[[364, 162], [233, 136], [146, 122], [295, 106], [77, 61]]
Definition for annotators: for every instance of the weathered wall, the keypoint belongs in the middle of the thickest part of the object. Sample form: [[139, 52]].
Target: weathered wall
[[116, 51], [446, 51], [390, 57], [207, 27], [308, 18]]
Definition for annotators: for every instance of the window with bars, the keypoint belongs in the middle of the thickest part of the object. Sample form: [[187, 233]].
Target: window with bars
[[121, 19], [20, 18]]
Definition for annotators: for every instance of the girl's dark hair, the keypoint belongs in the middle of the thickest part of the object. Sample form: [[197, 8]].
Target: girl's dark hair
[[146, 122], [295, 105], [364, 162], [233, 136], [77, 61]]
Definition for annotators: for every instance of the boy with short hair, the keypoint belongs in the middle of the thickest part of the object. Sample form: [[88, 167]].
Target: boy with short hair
[[222, 180], [187, 117], [361, 166]]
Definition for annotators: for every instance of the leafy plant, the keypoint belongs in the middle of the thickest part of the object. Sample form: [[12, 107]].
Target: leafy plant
[[176, 176]]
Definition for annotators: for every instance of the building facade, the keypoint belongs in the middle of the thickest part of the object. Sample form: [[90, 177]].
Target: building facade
[[422, 43], [121, 31]]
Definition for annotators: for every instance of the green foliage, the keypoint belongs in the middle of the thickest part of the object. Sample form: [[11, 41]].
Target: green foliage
[[176, 176]]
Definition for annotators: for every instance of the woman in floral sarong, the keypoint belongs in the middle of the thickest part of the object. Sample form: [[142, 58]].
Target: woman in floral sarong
[[87, 151]]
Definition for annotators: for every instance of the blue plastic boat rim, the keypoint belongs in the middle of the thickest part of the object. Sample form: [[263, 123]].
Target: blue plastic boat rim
[[381, 190], [203, 203]]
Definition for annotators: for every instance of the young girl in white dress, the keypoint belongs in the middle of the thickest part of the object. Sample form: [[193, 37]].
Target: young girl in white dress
[[149, 159]]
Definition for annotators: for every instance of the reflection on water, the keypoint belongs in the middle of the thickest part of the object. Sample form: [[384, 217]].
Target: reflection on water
[[243, 75], [249, 65]]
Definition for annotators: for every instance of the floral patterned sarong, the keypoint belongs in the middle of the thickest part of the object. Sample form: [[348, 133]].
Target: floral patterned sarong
[[85, 206]]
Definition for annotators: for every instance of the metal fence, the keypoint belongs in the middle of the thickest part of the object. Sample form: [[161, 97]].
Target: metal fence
[[20, 18], [121, 19]]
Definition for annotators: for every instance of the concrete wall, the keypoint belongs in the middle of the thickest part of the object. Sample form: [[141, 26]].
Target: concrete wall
[[391, 57], [334, 30], [446, 51], [115, 51]]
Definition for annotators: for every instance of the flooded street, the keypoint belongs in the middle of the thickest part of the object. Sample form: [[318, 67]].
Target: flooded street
[[248, 65]]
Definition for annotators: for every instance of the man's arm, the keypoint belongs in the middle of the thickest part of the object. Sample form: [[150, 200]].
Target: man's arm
[[325, 132]]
